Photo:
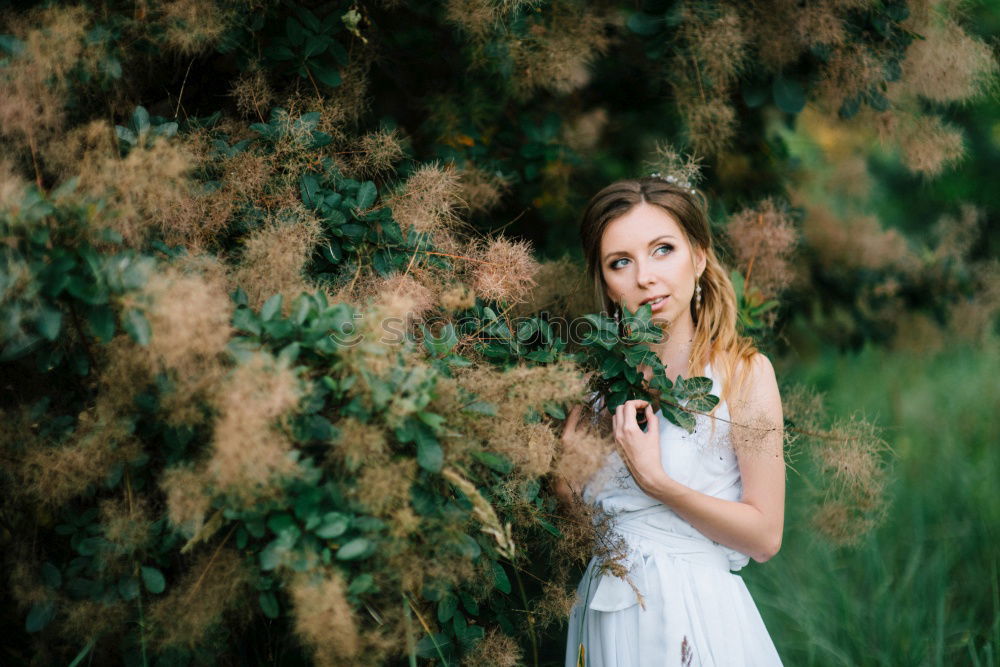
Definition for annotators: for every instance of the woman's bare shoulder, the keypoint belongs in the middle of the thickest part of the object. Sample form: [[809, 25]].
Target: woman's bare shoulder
[[761, 387]]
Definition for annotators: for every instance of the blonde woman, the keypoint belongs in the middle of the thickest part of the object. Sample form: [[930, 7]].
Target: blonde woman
[[691, 508]]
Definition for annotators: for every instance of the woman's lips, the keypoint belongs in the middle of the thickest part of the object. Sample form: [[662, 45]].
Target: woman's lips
[[656, 307]]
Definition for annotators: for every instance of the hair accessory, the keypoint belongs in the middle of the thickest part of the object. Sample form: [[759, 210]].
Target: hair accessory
[[673, 180]]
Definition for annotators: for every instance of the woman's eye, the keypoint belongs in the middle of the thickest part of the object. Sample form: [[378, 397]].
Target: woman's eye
[[617, 264], [666, 247]]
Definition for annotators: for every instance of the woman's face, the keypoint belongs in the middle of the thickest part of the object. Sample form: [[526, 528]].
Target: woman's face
[[646, 257]]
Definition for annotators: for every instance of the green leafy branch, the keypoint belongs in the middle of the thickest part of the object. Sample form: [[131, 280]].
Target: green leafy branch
[[618, 356]]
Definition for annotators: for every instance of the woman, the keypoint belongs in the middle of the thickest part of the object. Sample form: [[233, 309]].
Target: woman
[[689, 507]]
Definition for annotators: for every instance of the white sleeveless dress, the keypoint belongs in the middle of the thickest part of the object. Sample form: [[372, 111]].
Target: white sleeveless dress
[[697, 612]]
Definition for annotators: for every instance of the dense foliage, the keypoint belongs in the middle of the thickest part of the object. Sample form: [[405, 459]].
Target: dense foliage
[[275, 387]]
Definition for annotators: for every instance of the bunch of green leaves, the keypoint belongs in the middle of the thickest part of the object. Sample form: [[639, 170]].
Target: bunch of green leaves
[[508, 343], [308, 46], [750, 306], [617, 355], [57, 274], [143, 130], [358, 230]]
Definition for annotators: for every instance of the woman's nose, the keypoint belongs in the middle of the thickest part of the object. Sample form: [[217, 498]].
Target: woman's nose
[[643, 275]]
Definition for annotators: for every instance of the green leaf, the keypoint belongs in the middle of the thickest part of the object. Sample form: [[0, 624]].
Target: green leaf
[[278, 329], [789, 95], [500, 579], [137, 326], [698, 385], [339, 53], [434, 646], [679, 417], [51, 575], [355, 549], [644, 24], [754, 92], [83, 653], [352, 230], [309, 187], [554, 410], [271, 308], [366, 195], [308, 19], [128, 588], [362, 584], [272, 555], [102, 322], [269, 604], [469, 603], [446, 608], [549, 527], [40, 615], [295, 32], [430, 455], [140, 119], [468, 547], [334, 525], [481, 407], [245, 319], [494, 461], [282, 523], [11, 44], [49, 322], [240, 297], [327, 75], [703, 403], [276, 52], [154, 580], [290, 353], [301, 308]]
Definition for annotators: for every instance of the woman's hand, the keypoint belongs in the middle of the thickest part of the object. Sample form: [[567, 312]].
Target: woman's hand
[[639, 450]]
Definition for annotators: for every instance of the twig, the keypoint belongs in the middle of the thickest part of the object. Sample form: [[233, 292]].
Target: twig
[[427, 628], [531, 619], [313, 81], [83, 336], [411, 648], [180, 95], [756, 250], [218, 550], [34, 161]]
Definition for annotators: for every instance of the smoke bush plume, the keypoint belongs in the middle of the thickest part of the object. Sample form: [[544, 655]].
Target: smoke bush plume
[[763, 239]]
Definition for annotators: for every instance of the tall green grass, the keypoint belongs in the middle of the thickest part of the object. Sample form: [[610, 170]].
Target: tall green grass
[[924, 587]]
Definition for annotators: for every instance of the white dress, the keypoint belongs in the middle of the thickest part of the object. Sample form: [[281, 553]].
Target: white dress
[[696, 611]]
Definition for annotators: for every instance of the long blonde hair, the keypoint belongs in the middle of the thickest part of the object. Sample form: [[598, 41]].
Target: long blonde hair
[[716, 339]]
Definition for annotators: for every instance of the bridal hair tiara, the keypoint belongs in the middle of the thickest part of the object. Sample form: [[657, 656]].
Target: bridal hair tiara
[[673, 180]]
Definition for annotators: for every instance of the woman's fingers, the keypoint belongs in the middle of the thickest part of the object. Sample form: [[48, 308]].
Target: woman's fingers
[[629, 414], [572, 420]]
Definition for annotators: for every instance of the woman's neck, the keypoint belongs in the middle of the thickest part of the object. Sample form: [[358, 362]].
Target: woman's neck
[[675, 350]]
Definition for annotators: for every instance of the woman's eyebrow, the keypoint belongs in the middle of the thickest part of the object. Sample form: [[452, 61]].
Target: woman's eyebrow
[[653, 242]]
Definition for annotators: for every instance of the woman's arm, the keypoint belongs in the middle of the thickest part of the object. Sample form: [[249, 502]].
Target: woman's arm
[[752, 525]]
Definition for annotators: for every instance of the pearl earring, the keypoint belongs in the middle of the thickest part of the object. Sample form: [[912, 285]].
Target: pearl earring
[[697, 295]]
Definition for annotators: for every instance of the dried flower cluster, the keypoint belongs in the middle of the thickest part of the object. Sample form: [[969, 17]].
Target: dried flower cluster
[[763, 239], [852, 457]]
